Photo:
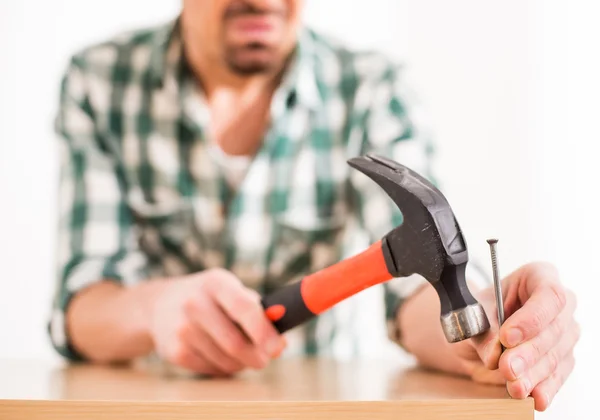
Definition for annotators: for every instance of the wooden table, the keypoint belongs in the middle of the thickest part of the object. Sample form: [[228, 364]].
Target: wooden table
[[288, 389]]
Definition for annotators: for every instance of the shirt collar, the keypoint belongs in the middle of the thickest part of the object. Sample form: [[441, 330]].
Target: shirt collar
[[299, 84], [300, 79], [166, 53]]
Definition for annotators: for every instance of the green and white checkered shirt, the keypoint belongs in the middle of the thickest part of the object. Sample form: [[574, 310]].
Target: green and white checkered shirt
[[141, 195]]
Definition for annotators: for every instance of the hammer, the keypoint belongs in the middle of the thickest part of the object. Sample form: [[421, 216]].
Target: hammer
[[428, 242]]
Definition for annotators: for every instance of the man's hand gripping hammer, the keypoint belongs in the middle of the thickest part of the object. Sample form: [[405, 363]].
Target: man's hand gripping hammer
[[429, 242]]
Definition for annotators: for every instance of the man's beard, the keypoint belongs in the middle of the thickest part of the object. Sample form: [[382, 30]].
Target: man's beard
[[247, 66]]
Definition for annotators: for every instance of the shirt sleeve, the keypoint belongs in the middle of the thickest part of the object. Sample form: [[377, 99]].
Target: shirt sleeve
[[395, 127], [96, 238]]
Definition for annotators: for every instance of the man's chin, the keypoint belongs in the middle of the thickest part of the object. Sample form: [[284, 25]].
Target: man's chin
[[253, 61]]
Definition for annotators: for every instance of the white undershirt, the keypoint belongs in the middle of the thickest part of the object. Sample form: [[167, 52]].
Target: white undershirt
[[234, 167]]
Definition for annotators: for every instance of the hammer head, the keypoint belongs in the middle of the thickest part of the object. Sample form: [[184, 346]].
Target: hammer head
[[428, 242]]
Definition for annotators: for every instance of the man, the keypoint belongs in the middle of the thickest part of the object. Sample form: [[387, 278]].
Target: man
[[204, 164]]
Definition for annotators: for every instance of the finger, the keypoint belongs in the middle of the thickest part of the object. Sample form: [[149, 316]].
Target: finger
[[523, 357], [243, 306], [545, 301], [196, 338], [544, 393], [545, 367], [488, 349], [186, 357], [487, 345], [228, 337]]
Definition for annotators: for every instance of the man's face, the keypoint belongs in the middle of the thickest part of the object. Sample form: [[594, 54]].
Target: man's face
[[249, 36]]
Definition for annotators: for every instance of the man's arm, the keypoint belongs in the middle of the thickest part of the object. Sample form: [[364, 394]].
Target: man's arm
[[107, 322], [95, 240], [106, 309]]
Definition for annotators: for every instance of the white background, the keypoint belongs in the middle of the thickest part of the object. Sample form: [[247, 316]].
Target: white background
[[512, 89]]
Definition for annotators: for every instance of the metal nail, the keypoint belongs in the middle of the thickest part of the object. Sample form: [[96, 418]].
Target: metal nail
[[497, 286]]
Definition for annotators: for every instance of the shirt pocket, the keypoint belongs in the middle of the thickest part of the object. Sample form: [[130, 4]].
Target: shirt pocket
[[167, 232]]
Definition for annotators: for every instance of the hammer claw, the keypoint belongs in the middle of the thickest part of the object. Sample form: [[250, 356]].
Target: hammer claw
[[390, 174]]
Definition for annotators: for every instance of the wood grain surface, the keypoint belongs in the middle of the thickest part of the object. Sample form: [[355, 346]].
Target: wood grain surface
[[287, 389]]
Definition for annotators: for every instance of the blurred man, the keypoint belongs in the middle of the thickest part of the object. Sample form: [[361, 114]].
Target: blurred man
[[204, 164]]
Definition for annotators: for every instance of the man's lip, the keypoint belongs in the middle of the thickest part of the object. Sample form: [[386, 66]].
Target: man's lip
[[254, 26], [253, 23]]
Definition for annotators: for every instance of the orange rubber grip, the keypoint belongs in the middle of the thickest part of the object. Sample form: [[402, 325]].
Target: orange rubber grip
[[323, 289]]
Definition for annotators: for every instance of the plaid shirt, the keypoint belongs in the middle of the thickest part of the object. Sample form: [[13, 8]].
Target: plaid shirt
[[141, 196]]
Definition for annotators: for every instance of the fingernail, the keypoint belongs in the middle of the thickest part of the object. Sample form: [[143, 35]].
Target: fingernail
[[526, 385], [277, 354], [517, 364], [514, 337], [275, 347], [548, 399], [488, 353]]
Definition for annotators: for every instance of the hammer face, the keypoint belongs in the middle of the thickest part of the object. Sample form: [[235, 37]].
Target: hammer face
[[464, 323]]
